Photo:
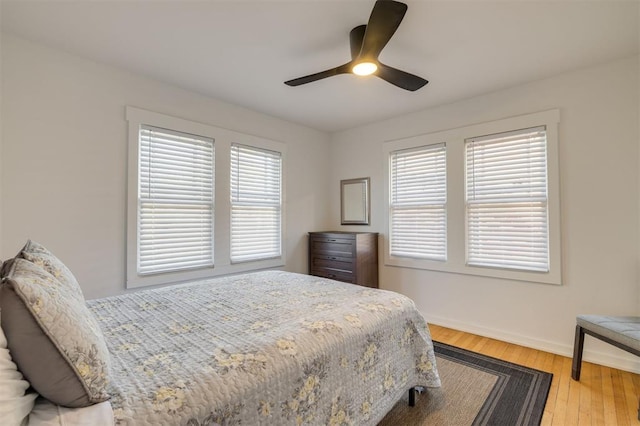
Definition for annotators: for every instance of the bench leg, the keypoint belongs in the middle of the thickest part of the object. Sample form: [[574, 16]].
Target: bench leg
[[578, 344]]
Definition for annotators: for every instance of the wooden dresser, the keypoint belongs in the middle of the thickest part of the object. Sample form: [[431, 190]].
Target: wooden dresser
[[345, 256]]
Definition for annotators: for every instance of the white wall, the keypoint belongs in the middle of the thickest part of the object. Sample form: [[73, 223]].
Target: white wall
[[64, 159], [599, 152], [0, 129]]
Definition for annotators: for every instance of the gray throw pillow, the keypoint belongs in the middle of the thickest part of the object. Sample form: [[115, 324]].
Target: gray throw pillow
[[38, 254], [54, 339]]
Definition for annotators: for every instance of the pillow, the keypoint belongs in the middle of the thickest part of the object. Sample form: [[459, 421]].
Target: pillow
[[38, 254], [15, 403], [47, 414], [53, 337]]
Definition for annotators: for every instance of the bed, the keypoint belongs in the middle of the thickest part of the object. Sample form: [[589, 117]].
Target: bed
[[268, 348]]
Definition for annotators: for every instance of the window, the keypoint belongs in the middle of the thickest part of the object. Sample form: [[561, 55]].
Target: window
[[255, 203], [175, 201], [479, 200], [506, 200], [418, 203], [202, 201]]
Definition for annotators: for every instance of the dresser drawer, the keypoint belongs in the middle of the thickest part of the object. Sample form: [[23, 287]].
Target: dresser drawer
[[332, 262], [339, 247], [333, 274], [332, 257]]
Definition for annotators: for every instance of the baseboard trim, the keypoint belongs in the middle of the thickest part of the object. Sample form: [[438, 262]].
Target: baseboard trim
[[630, 363]]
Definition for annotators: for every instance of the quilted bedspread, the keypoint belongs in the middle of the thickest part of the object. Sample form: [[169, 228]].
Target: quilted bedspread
[[272, 348]]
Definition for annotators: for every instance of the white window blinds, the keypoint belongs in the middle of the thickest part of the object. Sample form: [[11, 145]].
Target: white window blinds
[[418, 203], [175, 201], [256, 176], [506, 200]]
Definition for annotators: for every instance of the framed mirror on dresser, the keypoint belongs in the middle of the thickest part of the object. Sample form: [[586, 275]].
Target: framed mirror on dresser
[[354, 201]]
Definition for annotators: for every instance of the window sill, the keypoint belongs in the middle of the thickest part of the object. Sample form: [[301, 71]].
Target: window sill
[[550, 277], [139, 281]]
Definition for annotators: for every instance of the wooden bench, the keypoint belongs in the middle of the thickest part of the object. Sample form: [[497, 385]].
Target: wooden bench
[[622, 332]]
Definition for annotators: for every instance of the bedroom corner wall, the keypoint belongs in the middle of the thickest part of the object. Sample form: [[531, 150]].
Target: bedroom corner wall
[[64, 159], [599, 135], [1, 129], [638, 257]]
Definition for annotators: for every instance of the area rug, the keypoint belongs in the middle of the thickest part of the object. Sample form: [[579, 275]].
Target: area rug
[[476, 390]]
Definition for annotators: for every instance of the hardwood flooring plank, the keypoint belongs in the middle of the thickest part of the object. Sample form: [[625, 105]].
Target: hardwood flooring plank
[[619, 399], [584, 403], [631, 396], [573, 399], [561, 368], [556, 370], [597, 403], [610, 416]]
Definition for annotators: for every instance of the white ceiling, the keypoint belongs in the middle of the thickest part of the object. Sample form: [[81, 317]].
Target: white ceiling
[[242, 51]]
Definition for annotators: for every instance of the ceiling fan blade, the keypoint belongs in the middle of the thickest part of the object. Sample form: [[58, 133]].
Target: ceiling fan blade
[[342, 69], [385, 19], [355, 40], [399, 78]]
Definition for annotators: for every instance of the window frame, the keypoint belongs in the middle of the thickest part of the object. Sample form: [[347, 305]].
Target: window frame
[[426, 204], [483, 200], [223, 138], [253, 204], [150, 194], [456, 214]]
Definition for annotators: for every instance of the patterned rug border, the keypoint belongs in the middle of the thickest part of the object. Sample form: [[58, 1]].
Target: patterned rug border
[[516, 386]]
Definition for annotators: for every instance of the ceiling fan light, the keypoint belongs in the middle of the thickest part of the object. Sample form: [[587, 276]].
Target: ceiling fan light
[[365, 68]]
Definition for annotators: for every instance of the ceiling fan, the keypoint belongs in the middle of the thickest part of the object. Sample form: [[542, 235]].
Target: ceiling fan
[[367, 41]]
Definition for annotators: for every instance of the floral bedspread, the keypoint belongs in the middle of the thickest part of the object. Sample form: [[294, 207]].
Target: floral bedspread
[[272, 348]]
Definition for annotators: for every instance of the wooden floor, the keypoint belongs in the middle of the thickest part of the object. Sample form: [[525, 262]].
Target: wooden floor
[[603, 396]]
